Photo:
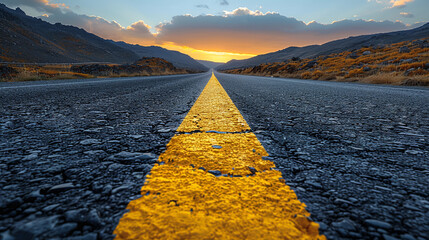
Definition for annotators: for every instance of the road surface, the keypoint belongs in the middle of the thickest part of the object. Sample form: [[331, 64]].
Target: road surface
[[74, 153]]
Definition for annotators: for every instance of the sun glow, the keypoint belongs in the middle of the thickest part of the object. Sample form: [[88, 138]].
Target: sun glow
[[207, 55]]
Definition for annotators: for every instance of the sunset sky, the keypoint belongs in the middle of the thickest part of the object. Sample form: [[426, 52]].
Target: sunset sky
[[221, 30]]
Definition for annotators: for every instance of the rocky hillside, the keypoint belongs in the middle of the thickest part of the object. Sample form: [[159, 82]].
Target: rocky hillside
[[178, 59], [31, 40], [27, 39], [404, 63], [338, 46], [142, 67]]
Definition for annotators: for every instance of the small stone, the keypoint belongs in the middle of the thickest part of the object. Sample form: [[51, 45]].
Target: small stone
[[314, 184], [366, 53], [89, 236], [407, 237], [34, 228], [404, 49], [50, 207], [95, 152], [164, 130], [136, 136], [78, 215], [30, 157], [345, 224], [115, 166], [89, 142], [14, 203], [64, 229], [107, 189], [383, 188], [93, 218], [215, 172], [217, 147], [378, 224], [253, 170], [413, 152], [341, 201], [123, 187], [388, 237], [202, 168], [61, 188], [410, 207], [9, 124]]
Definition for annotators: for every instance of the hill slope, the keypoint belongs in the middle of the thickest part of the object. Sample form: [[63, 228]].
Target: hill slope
[[337, 46], [210, 64], [27, 39], [178, 59], [404, 63]]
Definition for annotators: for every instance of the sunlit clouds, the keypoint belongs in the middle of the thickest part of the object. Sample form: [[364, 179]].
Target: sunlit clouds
[[235, 34], [400, 3]]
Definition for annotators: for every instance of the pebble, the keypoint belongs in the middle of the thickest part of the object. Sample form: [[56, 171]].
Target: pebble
[[136, 136], [34, 228], [30, 157], [388, 237], [118, 189], [345, 224], [61, 188], [164, 130], [95, 152], [78, 215], [216, 147], [50, 207], [378, 224], [253, 170], [64, 229], [215, 172], [89, 142], [89, 236], [342, 201], [93, 218]]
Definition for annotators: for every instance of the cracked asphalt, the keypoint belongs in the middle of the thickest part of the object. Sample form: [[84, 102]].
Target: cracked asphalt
[[357, 155], [74, 153]]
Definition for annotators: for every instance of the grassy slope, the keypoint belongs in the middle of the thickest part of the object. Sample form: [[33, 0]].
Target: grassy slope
[[151, 66], [378, 65]]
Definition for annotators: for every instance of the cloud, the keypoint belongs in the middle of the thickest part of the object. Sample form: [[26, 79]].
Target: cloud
[[224, 2], [255, 32], [407, 15], [393, 3], [202, 6], [240, 31], [138, 32], [241, 11], [400, 3]]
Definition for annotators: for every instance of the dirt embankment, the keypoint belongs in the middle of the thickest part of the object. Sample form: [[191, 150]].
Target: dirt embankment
[[143, 67]]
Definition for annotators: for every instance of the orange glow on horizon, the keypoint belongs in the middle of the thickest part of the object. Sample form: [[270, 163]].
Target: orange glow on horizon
[[207, 55]]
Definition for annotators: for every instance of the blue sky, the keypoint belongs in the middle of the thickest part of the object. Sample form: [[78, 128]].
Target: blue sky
[[221, 30], [152, 13]]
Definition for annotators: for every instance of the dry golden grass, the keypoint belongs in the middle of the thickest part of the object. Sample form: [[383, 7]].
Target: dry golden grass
[[385, 65], [62, 71]]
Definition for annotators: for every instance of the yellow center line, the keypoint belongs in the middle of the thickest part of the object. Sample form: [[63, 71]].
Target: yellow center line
[[185, 197]]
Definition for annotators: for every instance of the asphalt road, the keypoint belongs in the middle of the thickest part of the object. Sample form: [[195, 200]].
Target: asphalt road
[[357, 155], [73, 153]]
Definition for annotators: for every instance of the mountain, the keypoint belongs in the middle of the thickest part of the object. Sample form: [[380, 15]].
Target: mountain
[[178, 59], [31, 40], [210, 64], [337, 46]]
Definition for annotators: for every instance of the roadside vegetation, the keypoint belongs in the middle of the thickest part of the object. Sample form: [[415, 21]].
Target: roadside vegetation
[[33, 72], [404, 63]]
